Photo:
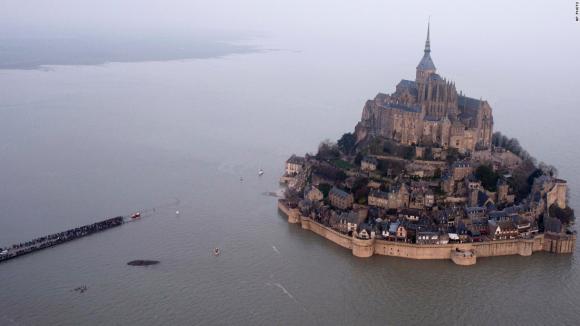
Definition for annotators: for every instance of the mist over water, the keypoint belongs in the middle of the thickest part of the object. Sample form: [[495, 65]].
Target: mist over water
[[40, 51], [80, 142]]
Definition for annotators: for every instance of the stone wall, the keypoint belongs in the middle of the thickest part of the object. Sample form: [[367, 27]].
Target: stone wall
[[557, 195], [340, 239], [504, 248], [559, 244], [367, 248], [293, 214], [463, 258], [414, 251], [363, 248]]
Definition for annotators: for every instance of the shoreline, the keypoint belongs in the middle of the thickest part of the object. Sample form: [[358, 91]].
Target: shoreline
[[464, 254]]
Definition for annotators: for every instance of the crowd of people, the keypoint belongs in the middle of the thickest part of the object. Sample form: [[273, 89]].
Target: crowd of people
[[23, 248]]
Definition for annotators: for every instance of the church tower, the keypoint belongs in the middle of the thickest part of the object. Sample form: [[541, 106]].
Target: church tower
[[426, 66], [436, 96]]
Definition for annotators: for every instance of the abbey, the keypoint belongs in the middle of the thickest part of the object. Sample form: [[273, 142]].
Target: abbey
[[428, 111]]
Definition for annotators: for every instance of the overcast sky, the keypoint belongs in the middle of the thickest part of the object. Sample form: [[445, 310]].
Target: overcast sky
[[470, 19], [465, 34]]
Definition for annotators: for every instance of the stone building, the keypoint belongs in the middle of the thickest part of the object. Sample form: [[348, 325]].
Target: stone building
[[505, 159], [340, 198], [369, 163], [548, 190], [421, 198], [378, 198], [399, 197], [460, 170], [557, 194], [294, 165], [313, 194], [428, 111], [348, 221], [503, 195], [447, 184], [502, 230], [427, 237], [401, 232]]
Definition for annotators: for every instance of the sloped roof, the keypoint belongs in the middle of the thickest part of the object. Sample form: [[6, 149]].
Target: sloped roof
[[426, 62], [401, 106], [465, 102], [338, 192]]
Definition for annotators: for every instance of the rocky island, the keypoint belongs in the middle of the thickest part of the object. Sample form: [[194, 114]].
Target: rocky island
[[424, 176]]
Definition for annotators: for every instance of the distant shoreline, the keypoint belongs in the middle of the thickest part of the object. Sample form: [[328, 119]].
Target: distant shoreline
[[44, 52]]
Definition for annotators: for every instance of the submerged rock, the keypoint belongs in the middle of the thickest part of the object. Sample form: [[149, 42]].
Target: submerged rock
[[143, 262]]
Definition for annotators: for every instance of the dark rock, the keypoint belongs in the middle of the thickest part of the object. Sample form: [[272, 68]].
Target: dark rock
[[143, 262]]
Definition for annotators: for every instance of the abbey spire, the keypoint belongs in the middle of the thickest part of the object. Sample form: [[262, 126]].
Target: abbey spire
[[426, 65], [427, 42]]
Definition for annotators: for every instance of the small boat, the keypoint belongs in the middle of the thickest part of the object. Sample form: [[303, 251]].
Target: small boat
[[135, 215], [176, 212], [260, 172], [241, 179], [216, 251]]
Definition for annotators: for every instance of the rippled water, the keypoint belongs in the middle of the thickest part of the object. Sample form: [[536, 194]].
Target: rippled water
[[78, 144]]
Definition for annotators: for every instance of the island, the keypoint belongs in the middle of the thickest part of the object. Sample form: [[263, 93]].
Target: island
[[424, 176]]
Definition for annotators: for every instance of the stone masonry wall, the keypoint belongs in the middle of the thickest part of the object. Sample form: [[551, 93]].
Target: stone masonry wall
[[367, 248]]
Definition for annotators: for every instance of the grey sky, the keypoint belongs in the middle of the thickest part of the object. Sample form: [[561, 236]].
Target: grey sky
[[335, 19], [522, 37]]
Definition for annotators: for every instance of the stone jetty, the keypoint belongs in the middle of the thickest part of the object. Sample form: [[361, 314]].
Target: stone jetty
[[51, 240]]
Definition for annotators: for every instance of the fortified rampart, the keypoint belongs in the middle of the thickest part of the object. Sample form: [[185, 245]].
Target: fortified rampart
[[293, 214], [460, 253]]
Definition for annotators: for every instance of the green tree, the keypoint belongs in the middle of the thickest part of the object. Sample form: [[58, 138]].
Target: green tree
[[565, 215], [487, 176], [360, 190], [511, 144], [522, 179], [324, 188], [347, 143], [328, 150], [536, 174]]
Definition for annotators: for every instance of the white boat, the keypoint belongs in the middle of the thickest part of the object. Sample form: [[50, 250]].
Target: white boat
[[260, 172]]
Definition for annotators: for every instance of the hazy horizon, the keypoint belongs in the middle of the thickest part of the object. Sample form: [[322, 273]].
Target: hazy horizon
[[510, 54], [465, 36]]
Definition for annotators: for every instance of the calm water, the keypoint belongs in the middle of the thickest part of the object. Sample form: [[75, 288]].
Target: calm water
[[80, 143]]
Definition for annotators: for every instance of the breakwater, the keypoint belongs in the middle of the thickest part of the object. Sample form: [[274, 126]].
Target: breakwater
[[363, 248], [52, 240]]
